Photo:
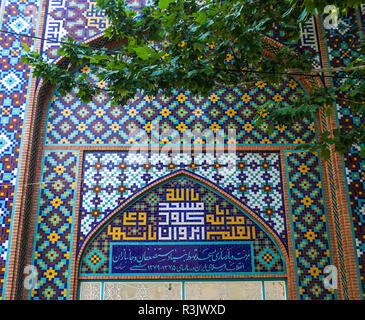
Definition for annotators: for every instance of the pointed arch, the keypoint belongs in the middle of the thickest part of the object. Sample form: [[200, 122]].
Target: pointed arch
[[199, 180]]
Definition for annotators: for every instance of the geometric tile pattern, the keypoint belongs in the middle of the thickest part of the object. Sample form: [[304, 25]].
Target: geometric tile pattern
[[81, 20], [176, 119], [337, 226], [110, 178], [164, 214], [312, 24], [355, 175], [308, 41], [14, 83], [76, 18], [53, 235], [68, 18], [341, 49], [311, 241]]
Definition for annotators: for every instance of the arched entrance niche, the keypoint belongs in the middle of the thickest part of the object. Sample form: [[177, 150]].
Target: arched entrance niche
[[173, 236]]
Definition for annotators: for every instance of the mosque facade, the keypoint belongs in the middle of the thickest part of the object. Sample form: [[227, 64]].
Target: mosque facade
[[179, 197]]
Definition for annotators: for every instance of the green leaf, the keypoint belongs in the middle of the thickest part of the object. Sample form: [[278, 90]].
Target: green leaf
[[201, 17], [198, 46], [164, 4], [143, 52], [25, 47], [325, 153]]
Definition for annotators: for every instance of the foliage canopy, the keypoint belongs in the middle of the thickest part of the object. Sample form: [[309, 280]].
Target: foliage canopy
[[185, 44]]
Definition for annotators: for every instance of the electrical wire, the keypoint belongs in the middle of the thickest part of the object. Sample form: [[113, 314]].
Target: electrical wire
[[247, 71]]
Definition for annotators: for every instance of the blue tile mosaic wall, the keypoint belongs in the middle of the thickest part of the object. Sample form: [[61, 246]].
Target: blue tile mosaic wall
[[341, 45], [18, 17], [54, 229], [179, 119]]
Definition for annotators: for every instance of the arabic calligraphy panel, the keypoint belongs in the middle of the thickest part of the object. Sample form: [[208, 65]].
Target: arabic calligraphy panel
[[181, 258]]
